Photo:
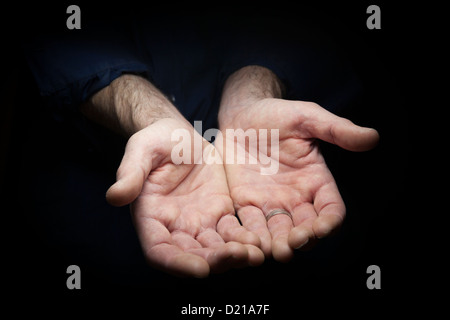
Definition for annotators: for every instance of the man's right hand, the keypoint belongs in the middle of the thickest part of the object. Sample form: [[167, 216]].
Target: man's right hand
[[183, 213]]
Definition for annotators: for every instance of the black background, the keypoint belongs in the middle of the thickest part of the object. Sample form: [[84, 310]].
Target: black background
[[373, 184]]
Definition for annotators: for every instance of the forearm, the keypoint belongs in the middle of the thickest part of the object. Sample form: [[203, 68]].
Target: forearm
[[129, 104], [245, 86]]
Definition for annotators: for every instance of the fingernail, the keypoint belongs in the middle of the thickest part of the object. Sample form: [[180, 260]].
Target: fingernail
[[323, 235], [302, 244]]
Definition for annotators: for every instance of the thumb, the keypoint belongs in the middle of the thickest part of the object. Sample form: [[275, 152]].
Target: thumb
[[133, 170], [326, 126]]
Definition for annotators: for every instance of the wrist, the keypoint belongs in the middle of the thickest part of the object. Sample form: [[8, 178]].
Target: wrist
[[129, 104], [245, 87], [180, 141]]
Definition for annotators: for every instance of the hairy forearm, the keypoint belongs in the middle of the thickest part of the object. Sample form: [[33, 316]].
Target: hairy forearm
[[129, 104], [245, 86]]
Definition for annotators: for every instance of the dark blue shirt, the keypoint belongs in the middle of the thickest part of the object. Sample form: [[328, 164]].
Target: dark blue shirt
[[188, 60], [74, 160]]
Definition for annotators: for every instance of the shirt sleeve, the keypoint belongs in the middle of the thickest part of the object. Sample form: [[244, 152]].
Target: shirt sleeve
[[71, 66], [308, 63]]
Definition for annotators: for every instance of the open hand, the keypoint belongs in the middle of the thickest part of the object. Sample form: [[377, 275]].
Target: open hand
[[183, 213], [302, 184]]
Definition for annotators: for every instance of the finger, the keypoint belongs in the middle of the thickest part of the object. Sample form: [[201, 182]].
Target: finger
[[326, 126], [231, 230], [223, 257], [304, 216], [330, 208], [253, 219], [212, 239], [209, 238], [184, 240], [255, 255], [279, 226], [161, 253], [133, 170], [172, 259]]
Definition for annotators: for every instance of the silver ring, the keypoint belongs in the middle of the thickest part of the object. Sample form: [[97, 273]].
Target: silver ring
[[278, 211]]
